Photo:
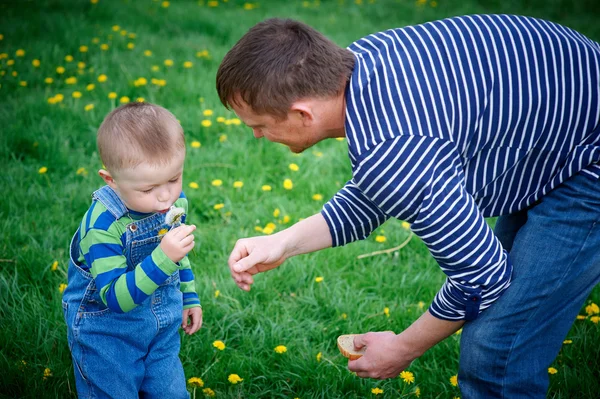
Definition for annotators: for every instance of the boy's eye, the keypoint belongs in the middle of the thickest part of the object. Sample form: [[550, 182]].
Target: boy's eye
[[147, 191], [174, 180]]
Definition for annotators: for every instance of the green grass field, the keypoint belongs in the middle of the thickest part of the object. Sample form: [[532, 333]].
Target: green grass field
[[86, 50]]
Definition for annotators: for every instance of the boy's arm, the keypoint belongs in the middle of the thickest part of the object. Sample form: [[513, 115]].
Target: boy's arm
[[188, 285], [120, 290]]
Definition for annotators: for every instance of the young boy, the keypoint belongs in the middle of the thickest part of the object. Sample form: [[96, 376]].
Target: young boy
[[123, 304]]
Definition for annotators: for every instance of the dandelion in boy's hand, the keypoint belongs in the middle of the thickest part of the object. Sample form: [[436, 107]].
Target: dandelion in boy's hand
[[407, 377], [552, 370], [454, 380], [220, 345], [280, 349], [376, 391], [196, 382], [234, 378], [174, 215]]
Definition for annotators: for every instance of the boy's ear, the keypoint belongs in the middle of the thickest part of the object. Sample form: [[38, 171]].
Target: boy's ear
[[108, 179]]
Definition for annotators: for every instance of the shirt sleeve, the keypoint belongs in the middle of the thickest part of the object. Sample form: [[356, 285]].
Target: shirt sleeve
[[120, 290], [188, 285], [351, 216], [420, 179]]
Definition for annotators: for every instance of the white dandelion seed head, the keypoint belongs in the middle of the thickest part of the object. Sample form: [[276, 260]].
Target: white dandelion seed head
[[174, 215]]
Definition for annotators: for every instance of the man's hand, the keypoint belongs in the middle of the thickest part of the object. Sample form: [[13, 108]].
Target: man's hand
[[195, 320], [384, 358], [255, 255], [178, 242]]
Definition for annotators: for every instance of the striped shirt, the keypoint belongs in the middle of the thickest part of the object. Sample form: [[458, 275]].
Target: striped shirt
[[460, 119], [102, 246]]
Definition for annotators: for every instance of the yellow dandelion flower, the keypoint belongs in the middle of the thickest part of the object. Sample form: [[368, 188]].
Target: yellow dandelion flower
[[168, 62], [196, 382], [217, 293], [220, 345], [188, 64], [454, 380], [276, 213], [62, 287], [155, 68], [567, 341], [95, 40], [319, 279], [286, 219], [202, 54], [116, 28], [258, 228], [124, 100], [212, 3], [238, 184], [23, 83], [36, 63], [236, 121], [60, 70], [552, 370], [280, 349], [386, 311], [418, 392], [76, 94], [1, 36], [123, 32], [10, 62], [287, 184], [162, 232], [140, 82], [102, 78], [595, 319], [148, 53], [376, 391], [69, 58], [112, 95], [458, 332], [209, 112], [130, 46], [81, 65], [344, 316], [266, 187], [89, 107], [104, 47], [196, 144], [165, 4], [208, 392], [48, 81], [71, 80], [218, 206], [47, 373], [223, 138], [407, 377], [193, 185], [90, 87], [317, 197], [206, 123], [220, 119], [339, 138], [234, 378], [54, 266], [59, 97], [293, 167], [319, 356], [20, 53], [217, 182], [268, 230], [81, 171], [580, 317], [14, 73], [592, 309], [83, 49], [380, 238], [42, 170]]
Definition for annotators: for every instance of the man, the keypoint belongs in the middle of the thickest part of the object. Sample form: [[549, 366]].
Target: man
[[447, 123]]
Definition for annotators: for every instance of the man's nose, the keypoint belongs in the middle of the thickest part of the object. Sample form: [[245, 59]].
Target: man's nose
[[257, 133]]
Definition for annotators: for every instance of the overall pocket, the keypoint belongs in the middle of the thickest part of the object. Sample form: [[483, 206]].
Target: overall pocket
[[143, 248]]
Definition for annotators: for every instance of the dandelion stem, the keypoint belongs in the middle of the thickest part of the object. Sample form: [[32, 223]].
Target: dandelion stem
[[387, 251]]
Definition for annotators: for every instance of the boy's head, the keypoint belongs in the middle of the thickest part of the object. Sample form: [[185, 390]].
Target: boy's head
[[142, 148]]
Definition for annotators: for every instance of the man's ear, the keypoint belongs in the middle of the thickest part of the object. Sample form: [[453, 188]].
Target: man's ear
[[304, 110], [108, 179]]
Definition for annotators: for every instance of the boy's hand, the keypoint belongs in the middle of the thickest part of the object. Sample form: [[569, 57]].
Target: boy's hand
[[195, 316], [178, 242]]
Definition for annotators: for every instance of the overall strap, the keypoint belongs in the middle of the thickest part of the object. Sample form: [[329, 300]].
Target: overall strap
[[109, 198]]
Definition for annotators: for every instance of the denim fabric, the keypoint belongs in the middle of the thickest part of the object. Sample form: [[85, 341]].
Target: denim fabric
[[128, 355], [555, 251]]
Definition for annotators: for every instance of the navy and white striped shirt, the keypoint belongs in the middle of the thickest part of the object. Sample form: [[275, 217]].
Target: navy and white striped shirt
[[460, 119]]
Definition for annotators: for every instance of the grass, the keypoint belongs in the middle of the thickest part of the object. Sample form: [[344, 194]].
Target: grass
[[40, 212]]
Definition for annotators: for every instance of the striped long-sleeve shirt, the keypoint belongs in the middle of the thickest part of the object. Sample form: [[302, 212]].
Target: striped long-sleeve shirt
[[102, 252], [460, 119]]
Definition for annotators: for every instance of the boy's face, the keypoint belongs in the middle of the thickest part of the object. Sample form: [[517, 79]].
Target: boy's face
[[149, 188]]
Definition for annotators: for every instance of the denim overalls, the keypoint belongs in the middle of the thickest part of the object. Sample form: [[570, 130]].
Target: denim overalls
[[125, 355]]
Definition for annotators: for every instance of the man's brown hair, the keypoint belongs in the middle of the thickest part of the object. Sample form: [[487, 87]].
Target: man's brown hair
[[139, 132], [279, 61]]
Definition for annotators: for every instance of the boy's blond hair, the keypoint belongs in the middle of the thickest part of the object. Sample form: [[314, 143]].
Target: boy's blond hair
[[139, 132]]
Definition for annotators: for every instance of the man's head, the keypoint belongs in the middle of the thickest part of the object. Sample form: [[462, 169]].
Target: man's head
[[278, 62], [142, 148]]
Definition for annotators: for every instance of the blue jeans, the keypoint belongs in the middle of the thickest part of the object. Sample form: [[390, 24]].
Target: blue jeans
[[555, 251]]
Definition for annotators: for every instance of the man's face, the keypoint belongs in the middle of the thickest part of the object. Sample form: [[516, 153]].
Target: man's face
[[292, 132]]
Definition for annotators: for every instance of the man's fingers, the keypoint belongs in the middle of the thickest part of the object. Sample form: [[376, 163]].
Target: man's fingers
[[360, 341], [238, 252], [247, 263]]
